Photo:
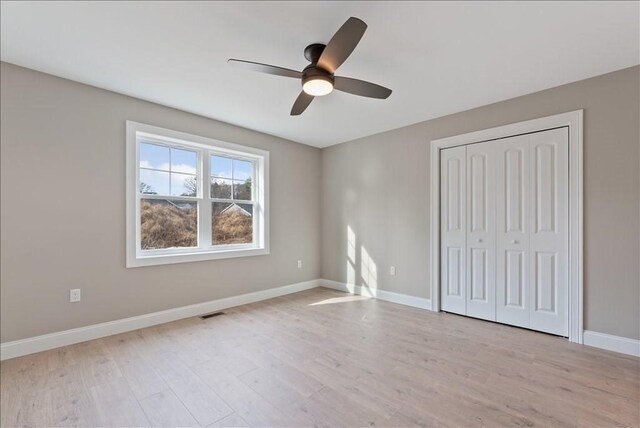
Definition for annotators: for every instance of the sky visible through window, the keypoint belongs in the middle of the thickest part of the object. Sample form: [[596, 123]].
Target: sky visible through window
[[231, 168], [167, 171], [172, 171]]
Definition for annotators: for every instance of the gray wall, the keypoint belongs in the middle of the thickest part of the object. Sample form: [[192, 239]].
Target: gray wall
[[63, 195], [63, 210], [379, 187]]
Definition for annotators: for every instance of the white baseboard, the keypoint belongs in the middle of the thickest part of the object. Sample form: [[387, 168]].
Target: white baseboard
[[402, 299], [590, 338], [68, 337], [613, 343]]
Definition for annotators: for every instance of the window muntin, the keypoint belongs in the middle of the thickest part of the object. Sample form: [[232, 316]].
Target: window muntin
[[194, 199]]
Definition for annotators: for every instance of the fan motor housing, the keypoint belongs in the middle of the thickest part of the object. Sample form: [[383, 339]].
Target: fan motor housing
[[312, 72]]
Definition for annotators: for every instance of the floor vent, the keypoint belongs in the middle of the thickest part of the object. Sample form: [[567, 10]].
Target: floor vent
[[211, 315]]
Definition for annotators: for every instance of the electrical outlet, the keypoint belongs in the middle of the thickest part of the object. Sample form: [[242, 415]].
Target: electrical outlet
[[392, 270], [299, 264], [74, 295]]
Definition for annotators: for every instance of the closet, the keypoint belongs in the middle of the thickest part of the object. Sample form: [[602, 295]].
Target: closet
[[504, 226]]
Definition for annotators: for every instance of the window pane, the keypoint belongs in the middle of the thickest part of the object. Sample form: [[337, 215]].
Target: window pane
[[232, 223], [221, 167], [154, 156], [184, 161], [242, 190], [183, 185], [154, 182], [242, 170], [220, 188], [168, 224]]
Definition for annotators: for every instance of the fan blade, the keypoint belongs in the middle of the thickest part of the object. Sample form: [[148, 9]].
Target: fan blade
[[266, 68], [302, 102], [342, 44], [360, 87]]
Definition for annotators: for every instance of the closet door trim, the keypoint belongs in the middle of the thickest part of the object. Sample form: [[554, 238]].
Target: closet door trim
[[574, 122]]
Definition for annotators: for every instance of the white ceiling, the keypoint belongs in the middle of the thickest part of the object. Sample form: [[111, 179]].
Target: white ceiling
[[438, 57]]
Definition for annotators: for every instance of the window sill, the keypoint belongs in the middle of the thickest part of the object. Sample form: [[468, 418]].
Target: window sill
[[166, 259]]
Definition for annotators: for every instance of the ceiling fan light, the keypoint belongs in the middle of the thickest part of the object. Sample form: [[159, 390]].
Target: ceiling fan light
[[317, 86]]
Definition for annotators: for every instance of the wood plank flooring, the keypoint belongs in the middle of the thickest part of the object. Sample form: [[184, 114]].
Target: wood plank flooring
[[327, 359]]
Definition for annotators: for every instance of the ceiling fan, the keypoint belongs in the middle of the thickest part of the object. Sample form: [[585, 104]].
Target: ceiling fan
[[318, 77]]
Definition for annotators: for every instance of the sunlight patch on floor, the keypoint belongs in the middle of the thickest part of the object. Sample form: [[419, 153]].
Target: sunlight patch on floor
[[340, 300]]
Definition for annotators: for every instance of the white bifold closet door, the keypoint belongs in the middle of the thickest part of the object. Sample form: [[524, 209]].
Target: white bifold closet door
[[549, 231], [512, 212], [453, 229], [481, 231], [504, 230]]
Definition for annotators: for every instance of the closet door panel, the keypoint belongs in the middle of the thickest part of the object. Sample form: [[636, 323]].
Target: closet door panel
[[453, 229], [512, 237], [549, 223], [481, 283]]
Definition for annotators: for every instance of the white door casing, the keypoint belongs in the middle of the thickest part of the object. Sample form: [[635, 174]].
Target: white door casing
[[453, 230], [481, 231]]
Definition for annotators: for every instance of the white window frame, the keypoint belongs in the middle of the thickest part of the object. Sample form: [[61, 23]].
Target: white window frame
[[206, 147]]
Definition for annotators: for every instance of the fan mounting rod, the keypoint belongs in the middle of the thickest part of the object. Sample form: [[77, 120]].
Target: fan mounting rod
[[312, 52]]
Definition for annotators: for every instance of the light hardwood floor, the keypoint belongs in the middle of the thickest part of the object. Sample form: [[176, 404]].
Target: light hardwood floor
[[323, 358]]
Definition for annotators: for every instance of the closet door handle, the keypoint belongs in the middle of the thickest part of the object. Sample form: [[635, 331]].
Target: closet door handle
[[478, 240], [514, 241]]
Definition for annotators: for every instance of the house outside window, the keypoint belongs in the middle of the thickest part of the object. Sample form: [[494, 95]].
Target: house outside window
[[192, 198]]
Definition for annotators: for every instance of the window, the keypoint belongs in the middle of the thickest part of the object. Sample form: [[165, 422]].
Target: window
[[192, 198]]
